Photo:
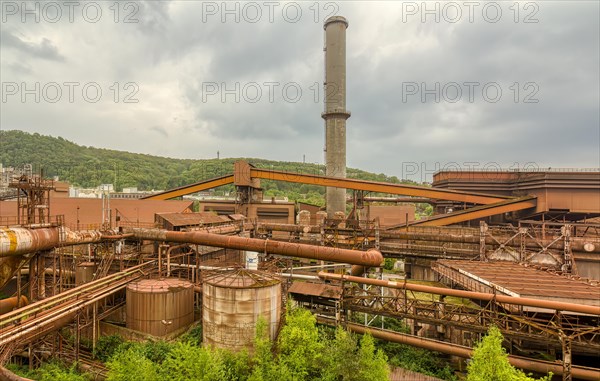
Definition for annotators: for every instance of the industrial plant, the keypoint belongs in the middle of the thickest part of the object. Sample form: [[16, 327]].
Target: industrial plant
[[514, 249]]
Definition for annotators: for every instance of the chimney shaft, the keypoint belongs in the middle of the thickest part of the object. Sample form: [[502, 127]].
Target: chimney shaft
[[335, 114]]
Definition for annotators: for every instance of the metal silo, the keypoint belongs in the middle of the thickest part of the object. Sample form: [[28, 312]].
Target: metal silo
[[232, 303], [160, 306]]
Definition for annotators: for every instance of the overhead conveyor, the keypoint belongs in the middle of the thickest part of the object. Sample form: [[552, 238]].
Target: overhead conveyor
[[486, 204]]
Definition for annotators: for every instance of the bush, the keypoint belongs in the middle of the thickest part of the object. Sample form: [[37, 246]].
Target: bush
[[192, 336], [106, 346], [50, 371]]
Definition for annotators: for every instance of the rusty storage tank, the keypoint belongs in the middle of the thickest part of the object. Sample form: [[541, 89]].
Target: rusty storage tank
[[159, 306], [84, 273], [232, 303]]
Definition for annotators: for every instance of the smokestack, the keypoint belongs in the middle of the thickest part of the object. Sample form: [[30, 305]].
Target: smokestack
[[335, 114]]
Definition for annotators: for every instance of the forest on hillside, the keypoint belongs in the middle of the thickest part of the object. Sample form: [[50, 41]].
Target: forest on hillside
[[89, 167]]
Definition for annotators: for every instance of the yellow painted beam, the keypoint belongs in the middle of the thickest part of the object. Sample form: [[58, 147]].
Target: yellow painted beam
[[192, 188], [375, 186], [476, 212]]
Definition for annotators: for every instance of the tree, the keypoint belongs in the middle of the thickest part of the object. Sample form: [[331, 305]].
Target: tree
[[490, 361], [303, 360], [266, 367], [345, 360], [372, 363]]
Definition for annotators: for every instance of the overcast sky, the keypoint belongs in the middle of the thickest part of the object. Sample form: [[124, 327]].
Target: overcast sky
[[192, 78]]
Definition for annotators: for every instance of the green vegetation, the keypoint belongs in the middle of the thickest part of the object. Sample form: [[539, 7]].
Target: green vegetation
[[89, 167], [302, 352], [412, 358], [50, 371], [490, 361], [106, 346]]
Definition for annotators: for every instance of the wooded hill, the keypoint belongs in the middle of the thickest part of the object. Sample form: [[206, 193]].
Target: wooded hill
[[89, 167]]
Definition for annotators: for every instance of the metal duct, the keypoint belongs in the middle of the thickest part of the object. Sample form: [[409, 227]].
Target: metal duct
[[370, 258]]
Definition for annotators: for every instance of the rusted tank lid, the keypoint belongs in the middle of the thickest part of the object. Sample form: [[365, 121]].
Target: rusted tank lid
[[161, 285], [240, 278], [87, 264]]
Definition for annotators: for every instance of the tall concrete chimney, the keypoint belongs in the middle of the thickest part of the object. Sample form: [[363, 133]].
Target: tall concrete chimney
[[335, 114]]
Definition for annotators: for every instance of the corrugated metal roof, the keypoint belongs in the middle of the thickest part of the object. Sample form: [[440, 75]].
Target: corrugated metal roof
[[525, 281], [316, 289]]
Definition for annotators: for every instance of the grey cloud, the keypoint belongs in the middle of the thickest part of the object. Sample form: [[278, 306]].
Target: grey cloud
[[45, 49], [171, 45]]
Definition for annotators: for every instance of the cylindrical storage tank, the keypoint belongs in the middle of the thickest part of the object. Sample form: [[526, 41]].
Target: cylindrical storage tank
[[159, 306], [321, 216], [232, 303], [304, 217], [84, 273]]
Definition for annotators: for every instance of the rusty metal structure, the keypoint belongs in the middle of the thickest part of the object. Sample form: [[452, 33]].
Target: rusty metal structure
[[558, 327], [233, 301], [33, 199]]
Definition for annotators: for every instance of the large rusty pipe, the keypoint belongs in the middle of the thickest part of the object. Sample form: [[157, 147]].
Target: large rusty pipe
[[371, 257], [30, 330], [465, 352], [358, 270], [73, 293], [19, 241], [7, 375], [548, 304], [49, 271], [9, 304]]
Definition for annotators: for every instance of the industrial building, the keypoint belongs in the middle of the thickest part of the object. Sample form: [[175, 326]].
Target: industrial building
[[520, 249]]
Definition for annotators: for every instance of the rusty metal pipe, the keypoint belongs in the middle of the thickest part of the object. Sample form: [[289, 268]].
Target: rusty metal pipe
[[116, 236], [9, 304], [371, 257], [358, 270], [226, 229], [549, 304], [539, 366], [7, 375]]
